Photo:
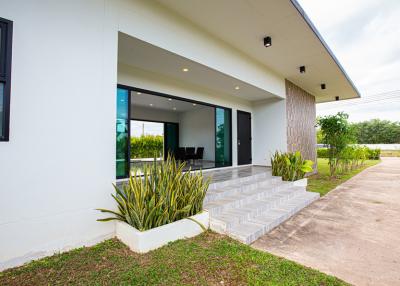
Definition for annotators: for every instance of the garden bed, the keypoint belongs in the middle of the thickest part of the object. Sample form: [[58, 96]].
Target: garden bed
[[144, 241]]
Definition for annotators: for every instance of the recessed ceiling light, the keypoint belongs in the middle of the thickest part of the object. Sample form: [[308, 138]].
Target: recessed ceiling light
[[151, 104], [237, 87], [170, 99], [194, 104], [174, 108], [267, 42], [302, 69], [138, 92], [185, 69]]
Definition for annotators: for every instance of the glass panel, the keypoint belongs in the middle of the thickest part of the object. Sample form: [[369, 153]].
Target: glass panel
[[1, 109], [223, 144], [122, 135]]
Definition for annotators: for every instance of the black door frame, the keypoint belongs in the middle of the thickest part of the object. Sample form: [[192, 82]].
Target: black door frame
[[237, 136]]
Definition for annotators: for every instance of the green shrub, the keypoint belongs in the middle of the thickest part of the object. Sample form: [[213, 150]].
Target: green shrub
[[374, 154], [147, 146], [322, 153], [290, 166], [163, 194]]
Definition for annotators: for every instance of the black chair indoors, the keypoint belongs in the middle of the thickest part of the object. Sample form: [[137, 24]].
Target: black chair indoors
[[181, 154], [199, 153], [190, 153]]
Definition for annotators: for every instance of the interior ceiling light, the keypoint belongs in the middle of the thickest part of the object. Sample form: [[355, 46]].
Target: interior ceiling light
[[185, 69], [194, 104], [267, 42], [323, 86], [174, 108], [170, 99], [151, 104], [237, 87], [138, 92], [302, 69]]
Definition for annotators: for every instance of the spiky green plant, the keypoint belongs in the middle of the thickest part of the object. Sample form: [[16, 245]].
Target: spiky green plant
[[163, 194], [290, 166]]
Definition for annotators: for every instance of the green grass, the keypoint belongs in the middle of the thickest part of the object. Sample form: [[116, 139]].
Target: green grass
[[208, 259], [321, 183]]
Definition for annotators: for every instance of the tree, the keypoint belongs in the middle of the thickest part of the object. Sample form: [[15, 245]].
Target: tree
[[336, 134], [377, 131]]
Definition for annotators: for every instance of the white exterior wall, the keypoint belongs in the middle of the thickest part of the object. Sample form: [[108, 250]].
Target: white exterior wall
[[269, 130], [60, 161], [197, 129]]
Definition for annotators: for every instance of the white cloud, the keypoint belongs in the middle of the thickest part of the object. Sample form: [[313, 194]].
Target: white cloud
[[365, 37]]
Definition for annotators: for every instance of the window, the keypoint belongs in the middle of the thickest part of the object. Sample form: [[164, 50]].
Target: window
[[5, 77]]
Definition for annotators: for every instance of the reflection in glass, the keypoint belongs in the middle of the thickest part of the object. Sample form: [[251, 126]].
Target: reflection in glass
[[1, 109], [122, 136], [222, 137]]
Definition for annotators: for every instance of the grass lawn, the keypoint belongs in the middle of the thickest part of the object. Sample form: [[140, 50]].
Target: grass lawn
[[208, 259], [321, 183]]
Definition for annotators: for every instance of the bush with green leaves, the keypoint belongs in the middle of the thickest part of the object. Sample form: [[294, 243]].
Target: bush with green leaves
[[374, 154], [336, 134], [163, 194], [147, 146], [371, 154], [290, 166]]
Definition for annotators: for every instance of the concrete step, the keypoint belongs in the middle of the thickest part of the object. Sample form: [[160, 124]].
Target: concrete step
[[246, 196], [229, 215], [240, 180], [237, 188], [250, 230]]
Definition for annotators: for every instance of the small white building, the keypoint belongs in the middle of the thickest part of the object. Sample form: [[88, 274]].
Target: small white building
[[239, 79]]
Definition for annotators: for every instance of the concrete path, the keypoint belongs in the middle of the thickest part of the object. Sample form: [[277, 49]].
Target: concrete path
[[352, 233]]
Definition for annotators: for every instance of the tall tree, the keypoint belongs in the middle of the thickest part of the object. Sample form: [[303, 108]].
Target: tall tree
[[377, 131]]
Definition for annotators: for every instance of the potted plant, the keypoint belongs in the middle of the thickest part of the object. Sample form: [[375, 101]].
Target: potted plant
[[162, 205], [291, 167]]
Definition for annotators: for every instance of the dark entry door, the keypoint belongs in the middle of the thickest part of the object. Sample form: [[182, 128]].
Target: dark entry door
[[244, 137]]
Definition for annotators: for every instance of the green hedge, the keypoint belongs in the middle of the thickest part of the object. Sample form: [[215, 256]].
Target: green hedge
[[147, 146], [371, 154]]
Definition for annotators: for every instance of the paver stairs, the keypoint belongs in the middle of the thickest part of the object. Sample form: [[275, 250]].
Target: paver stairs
[[248, 207]]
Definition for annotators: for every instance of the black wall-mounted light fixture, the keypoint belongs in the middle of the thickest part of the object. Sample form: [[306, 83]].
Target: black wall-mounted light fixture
[[323, 86], [337, 98], [267, 42], [302, 69]]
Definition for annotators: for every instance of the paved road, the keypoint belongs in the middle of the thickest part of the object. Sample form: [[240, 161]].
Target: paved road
[[352, 233]]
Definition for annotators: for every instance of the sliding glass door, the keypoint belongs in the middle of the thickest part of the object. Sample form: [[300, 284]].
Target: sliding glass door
[[223, 137]]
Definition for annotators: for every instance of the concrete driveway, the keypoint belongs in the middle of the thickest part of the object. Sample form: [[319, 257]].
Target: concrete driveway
[[352, 233]]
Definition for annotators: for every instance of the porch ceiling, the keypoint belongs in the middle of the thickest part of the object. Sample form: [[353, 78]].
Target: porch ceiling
[[295, 42], [137, 53]]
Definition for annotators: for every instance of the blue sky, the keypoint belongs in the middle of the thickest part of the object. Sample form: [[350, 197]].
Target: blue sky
[[365, 37]]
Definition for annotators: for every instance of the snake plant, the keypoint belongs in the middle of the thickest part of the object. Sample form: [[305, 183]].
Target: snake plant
[[161, 195]]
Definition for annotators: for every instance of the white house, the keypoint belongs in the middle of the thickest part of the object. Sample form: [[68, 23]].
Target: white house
[[238, 78]]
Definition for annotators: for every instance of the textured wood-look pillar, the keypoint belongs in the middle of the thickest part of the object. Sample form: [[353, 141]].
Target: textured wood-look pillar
[[301, 120]]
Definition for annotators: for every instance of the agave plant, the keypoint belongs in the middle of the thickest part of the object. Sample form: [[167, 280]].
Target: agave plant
[[290, 166], [163, 194]]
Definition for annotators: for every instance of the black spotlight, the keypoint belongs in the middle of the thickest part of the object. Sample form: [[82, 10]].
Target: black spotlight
[[323, 86], [267, 42], [337, 98], [302, 69]]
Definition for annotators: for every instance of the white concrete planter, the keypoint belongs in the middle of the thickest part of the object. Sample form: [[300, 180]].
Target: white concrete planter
[[300, 183], [144, 241]]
